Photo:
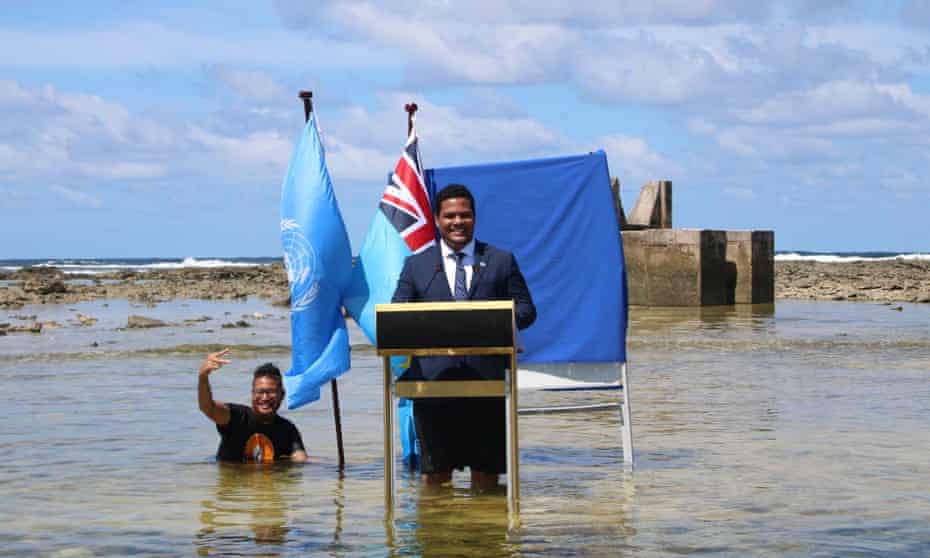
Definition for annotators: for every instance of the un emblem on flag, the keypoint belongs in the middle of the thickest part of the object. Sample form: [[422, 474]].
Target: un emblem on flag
[[301, 263]]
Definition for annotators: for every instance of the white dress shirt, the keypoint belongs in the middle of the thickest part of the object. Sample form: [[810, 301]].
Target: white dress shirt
[[449, 262]]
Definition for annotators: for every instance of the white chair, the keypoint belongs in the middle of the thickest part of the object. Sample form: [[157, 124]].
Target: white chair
[[554, 380]]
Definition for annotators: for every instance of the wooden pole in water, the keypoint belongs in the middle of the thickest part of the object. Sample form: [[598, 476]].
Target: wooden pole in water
[[307, 98]]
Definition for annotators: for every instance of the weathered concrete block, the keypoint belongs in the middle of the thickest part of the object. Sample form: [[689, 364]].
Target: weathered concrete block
[[653, 207], [699, 267], [753, 255], [618, 203], [675, 267]]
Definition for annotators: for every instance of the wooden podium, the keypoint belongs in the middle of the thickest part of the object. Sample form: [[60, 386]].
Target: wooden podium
[[449, 329]]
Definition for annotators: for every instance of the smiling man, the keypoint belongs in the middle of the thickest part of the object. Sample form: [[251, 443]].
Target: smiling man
[[455, 433], [257, 434]]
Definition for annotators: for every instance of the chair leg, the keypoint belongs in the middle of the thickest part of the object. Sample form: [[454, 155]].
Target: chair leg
[[627, 418]]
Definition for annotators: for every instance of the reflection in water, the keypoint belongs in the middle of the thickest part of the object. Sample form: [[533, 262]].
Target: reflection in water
[[249, 496], [446, 521], [755, 318], [578, 492], [339, 506]]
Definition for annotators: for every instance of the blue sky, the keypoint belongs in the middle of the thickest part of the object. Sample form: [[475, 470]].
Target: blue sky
[[160, 129]]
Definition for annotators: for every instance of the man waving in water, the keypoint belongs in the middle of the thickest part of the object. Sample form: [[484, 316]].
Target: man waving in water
[[256, 434]]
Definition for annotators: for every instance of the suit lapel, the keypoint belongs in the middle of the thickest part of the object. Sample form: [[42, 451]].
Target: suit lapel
[[479, 269]]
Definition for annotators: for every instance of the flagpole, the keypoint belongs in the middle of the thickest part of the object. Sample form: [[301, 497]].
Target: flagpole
[[411, 108], [307, 98]]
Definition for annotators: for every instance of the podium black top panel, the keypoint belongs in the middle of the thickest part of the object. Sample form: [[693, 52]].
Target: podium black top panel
[[427, 325]]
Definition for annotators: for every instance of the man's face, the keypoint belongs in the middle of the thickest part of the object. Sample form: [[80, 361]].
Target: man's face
[[456, 222], [266, 396]]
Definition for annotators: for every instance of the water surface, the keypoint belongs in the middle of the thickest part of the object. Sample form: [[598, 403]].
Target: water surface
[[795, 430]]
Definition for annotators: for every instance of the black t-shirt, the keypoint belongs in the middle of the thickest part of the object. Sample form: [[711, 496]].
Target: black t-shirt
[[244, 438]]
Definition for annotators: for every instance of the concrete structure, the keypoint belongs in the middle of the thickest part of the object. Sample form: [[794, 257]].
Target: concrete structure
[[691, 267], [752, 253], [699, 267], [669, 267], [653, 208], [618, 206]]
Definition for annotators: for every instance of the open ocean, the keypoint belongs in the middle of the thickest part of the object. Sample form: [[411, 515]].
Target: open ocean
[[103, 265], [794, 429]]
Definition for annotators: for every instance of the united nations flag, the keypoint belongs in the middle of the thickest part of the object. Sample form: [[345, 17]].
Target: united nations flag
[[319, 267]]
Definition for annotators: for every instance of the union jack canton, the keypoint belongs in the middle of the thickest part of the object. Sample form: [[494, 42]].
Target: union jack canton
[[405, 201]]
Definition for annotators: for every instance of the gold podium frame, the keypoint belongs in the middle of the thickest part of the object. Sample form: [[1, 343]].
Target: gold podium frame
[[506, 388]]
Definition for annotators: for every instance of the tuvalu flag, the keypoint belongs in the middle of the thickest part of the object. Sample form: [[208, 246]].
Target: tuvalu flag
[[319, 267], [402, 225]]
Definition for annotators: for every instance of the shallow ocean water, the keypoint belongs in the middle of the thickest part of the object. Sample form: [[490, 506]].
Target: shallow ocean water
[[795, 430]]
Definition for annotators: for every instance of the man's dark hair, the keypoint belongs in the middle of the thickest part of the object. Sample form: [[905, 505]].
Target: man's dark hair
[[454, 191], [268, 370]]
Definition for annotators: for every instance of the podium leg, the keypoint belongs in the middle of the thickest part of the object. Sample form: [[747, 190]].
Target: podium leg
[[389, 473], [513, 443]]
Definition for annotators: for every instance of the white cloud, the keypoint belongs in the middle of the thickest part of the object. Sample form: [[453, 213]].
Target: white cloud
[[252, 84], [819, 134], [141, 45], [735, 77], [453, 133], [49, 135], [352, 162], [13, 95], [903, 94], [77, 197], [448, 136], [661, 52], [45, 133], [492, 53], [701, 126], [649, 72], [635, 162], [775, 145], [886, 43], [902, 183], [121, 170], [363, 144], [591, 14], [265, 153], [866, 127], [611, 49], [832, 101]]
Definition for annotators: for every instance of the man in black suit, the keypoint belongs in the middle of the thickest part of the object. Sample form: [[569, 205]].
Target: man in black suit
[[455, 433]]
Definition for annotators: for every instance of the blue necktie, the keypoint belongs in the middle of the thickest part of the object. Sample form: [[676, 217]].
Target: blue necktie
[[461, 291]]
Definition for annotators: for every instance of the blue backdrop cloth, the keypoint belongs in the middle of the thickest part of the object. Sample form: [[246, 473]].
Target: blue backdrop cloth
[[558, 217], [318, 259]]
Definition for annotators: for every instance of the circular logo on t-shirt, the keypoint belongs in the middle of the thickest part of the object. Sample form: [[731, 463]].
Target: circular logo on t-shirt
[[259, 449]]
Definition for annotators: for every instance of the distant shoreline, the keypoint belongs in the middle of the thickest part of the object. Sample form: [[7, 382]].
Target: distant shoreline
[[885, 280], [50, 285], [898, 280]]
